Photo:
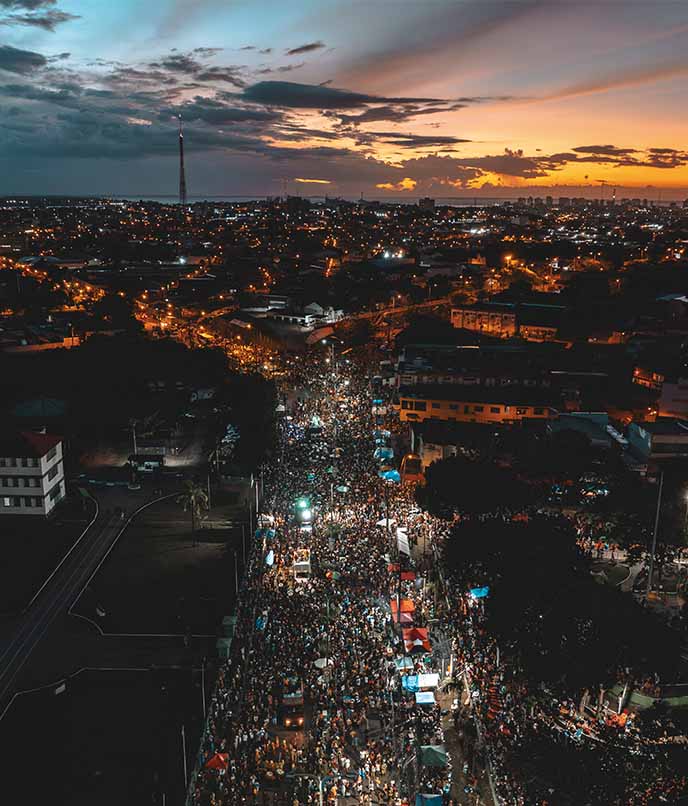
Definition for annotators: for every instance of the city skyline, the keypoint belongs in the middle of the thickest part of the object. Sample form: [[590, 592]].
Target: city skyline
[[443, 99]]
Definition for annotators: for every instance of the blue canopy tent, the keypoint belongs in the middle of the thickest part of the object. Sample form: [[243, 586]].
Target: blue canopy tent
[[383, 453], [428, 800], [390, 475]]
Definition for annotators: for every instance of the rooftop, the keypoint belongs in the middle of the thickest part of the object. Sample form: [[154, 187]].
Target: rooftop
[[480, 394], [665, 426], [27, 444]]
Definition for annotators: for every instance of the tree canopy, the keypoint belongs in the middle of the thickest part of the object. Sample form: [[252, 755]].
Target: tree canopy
[[546, 610], [458, 484]]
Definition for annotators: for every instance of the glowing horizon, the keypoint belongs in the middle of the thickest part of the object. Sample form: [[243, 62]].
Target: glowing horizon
[[438, 99]]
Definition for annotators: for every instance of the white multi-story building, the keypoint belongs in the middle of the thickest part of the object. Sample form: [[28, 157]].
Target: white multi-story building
[[31, 473]]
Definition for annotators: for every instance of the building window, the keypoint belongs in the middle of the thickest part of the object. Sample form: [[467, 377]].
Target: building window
[[454, 406], [53, 471], [478, 408], [435, 405], [52, 453], [494, 409], [466, 409], [7, 502], [55, 492], [420, 405], [28, 501], [521, 411], [538, 411], [405, 404], [33, 462]]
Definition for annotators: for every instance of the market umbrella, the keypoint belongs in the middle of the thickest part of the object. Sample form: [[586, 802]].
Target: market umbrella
[[321, 663]]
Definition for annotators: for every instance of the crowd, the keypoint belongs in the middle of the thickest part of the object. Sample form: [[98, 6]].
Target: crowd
[[340, 628], [331, 626]]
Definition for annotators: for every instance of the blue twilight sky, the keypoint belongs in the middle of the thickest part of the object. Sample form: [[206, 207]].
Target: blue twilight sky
[[331, 97]]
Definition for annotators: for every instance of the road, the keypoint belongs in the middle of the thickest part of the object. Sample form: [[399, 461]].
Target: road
[[398, 309], [57, 597]]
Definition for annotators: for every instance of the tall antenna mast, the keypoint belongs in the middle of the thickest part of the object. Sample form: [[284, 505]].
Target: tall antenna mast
[[182, 177]]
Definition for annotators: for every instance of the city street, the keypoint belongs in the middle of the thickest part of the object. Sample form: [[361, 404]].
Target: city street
[[25, 633], [315, 608]]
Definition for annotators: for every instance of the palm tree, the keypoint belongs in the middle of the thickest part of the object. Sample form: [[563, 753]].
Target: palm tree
[[195, 500]]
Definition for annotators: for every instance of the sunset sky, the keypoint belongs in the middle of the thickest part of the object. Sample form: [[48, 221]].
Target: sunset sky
[[384, 98]]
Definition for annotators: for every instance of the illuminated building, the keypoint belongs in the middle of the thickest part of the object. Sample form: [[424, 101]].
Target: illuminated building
[[31, 473], [472, 404]]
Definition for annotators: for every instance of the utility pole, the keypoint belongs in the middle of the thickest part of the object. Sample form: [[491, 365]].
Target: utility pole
[[186, 773], [203, 686], [654, 534]]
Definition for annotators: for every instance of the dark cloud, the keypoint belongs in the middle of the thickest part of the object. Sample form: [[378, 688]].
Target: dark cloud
[[229, 75], [265, 51], [133, 75], [510, 163], [310, 96], [308, 48], [665, 158], [47, 20], [218, 114], [393, 114], [27, 5], [14, 60], [59, 57], [63, 96], [178, 63], [295, 132], [415, 140], [285, 68], [606, 150], [86, 134], [187, 64], [206, 52]]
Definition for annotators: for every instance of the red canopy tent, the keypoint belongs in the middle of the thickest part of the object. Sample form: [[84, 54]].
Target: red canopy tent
[[407, 609], [416, 639], [408, 576], [217, 762]]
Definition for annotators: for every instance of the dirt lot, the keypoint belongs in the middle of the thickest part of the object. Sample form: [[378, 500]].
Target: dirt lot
[[161, 579], [110, 738], [32, 546]]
